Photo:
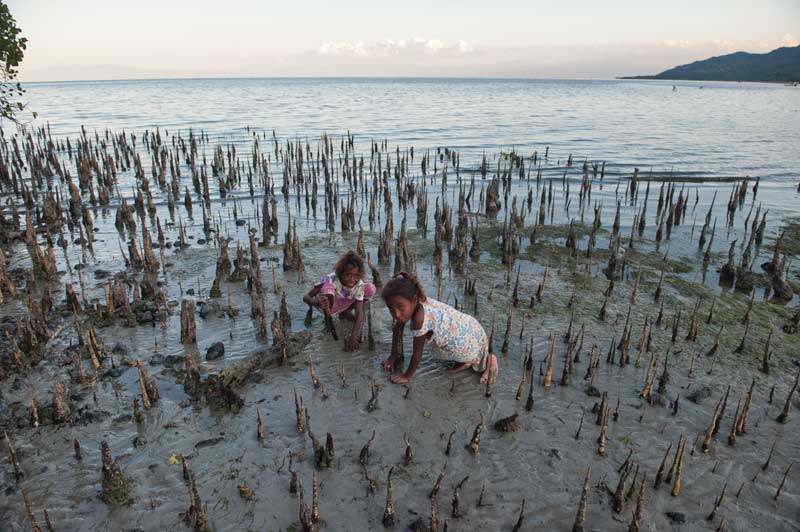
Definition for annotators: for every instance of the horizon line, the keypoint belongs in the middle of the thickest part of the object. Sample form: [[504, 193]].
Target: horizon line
[[423, 78]]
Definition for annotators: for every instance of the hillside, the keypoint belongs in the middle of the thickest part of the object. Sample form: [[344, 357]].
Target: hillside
[[780, 65]]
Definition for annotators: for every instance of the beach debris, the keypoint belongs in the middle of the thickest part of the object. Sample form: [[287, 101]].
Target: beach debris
[[116, 486], [717, 503], [388, 512], [29, 509], [521, 518], [363, 456], [408, 455], [475, 442], [375, 389], [783, 482], [580, 516], [638, 513], [188, 327], [784, 415], [507, 424]]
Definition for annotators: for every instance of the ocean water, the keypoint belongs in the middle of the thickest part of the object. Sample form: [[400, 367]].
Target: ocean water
[[696, 129]]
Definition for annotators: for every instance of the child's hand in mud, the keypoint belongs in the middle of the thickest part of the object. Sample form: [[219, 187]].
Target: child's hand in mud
[[352, 343], [388, 364], [399, 378]]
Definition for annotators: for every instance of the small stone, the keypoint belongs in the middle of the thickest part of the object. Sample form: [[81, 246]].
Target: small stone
[[211, 309], [208, 443], [677, 517], [86, 417], [592, 391], [173, 360], [115, 373], [216, 351], [120, 349], [700, 395]]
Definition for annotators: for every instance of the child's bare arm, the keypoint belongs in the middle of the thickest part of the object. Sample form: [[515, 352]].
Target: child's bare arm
[[310, 297], [397, 333], [416, 357], [314, 299], [419, 343], [353, 342]]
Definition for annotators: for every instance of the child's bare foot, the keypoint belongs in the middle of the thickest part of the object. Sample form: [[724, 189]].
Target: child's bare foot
[[459, 367]]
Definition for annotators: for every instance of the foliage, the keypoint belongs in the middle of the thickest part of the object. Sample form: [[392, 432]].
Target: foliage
[[12, 50], [780, 65]]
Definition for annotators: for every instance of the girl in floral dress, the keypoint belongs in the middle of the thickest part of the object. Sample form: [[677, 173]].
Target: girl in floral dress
[[456, 336]]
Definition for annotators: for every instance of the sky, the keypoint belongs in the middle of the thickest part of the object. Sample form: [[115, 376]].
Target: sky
[[116, 39]]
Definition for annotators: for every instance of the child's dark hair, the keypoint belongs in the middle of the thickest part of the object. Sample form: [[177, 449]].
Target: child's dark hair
[[404, 285], [349, 260]]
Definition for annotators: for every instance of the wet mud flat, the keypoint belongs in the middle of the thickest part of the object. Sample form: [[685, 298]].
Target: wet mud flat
[[165, 374]]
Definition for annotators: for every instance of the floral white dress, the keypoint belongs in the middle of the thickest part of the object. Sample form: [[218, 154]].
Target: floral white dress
[[456, 336]]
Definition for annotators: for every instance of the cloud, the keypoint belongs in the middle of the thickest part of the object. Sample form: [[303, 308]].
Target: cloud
[[672, 43], [788, 40], [391, 47]]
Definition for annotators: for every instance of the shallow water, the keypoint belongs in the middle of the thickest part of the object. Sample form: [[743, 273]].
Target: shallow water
[[701, 129], [542, 463]]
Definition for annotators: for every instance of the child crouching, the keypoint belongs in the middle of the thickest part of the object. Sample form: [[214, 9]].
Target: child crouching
[[343, 293]]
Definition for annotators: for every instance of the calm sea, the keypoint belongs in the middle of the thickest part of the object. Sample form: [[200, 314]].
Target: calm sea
[[696, 129]]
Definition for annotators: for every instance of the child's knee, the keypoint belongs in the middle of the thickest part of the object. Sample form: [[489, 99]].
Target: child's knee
[[369, 290], [327, 289]]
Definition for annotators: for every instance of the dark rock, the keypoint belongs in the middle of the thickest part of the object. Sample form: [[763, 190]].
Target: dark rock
[[201, 241], [169, 373], [120, 349], [156, 360], [677, 517], [114, 373], [86, 417], [216, 351], [101, 274], [241, 222], [700, 395], [208, 443], [76, 396], [146, 317], [256, 377], [592, 391], [419, 525], [656, 399], [554, 453], [211, 309], [173, 360], [190, 292]]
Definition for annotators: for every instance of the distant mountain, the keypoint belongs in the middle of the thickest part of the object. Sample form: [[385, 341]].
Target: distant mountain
[[781, 65]]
